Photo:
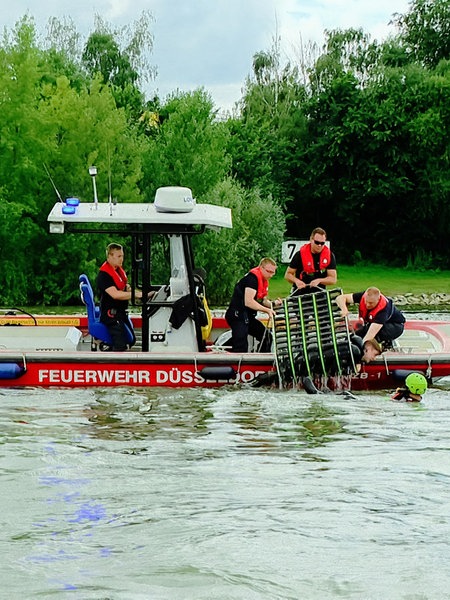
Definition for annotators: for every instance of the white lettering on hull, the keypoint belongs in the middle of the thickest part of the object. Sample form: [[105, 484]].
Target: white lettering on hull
[[165, 377], [93, 377]]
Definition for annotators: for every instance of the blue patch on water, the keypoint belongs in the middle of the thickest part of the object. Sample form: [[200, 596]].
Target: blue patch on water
[[53, 480], [68, 498], [89, 512], [64, 585], [50, 448], [69, 586], [52, 558]]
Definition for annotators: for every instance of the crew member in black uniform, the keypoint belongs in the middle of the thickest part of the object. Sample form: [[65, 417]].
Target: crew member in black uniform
[[313, 267], [381, 319], [249, 297], [115, 293]]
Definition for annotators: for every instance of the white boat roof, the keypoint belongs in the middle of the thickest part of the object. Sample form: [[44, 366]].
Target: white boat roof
[[209, 215]]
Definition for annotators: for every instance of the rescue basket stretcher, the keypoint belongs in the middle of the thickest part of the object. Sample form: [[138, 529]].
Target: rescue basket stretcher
[[312, 339]]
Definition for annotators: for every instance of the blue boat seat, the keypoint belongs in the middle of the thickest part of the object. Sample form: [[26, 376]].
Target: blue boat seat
[[99, 332], [84, 280]]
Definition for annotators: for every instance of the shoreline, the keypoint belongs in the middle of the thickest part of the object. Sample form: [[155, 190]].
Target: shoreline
[[438, 301]]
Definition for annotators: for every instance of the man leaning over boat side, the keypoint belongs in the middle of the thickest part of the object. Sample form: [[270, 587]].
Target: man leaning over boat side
[[371, 349], [115, 292], [382, 320], [313, 267], [249, 297]]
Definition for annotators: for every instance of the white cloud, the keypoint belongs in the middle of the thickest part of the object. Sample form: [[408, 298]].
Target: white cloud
[[211, 43], [118, 9]]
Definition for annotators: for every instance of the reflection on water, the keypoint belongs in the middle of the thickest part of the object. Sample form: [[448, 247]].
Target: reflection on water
[[144, 414], [148, 414], [312, 425], [229, 493], [318, 424]]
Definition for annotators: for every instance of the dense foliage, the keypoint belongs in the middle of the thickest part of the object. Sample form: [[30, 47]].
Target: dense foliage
[[358, 140], [354, 139]]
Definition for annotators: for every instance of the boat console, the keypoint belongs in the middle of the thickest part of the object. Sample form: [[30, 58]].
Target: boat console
[[172, 317]]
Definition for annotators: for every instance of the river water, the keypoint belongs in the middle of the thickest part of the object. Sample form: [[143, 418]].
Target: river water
[[224, 494]]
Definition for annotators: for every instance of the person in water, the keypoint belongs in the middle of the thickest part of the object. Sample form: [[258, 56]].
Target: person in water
[[249, 297], [313, 267], [381, 318], [115, 293], [415, 386]]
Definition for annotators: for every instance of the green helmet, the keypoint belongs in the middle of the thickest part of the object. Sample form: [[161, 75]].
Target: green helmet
[[416, 383]]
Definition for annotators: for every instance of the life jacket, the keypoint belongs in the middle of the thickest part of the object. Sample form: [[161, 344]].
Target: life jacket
[[263, 284], [308, 260], [119, 276], [369, 315]]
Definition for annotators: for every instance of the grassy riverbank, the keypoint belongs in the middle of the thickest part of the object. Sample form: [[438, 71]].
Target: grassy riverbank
[[391, 282]]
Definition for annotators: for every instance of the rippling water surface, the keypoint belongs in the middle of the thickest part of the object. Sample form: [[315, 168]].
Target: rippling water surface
[[224, 494]]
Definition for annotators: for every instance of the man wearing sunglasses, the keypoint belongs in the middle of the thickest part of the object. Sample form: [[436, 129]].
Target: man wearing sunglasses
[[313, 267]]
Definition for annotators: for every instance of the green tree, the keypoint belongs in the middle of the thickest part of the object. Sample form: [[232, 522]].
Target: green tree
[[266, 134], [425, 31], [365, 167], [19, 236], [23, 133], [117, 55], [186, 145], [46, 121], [24, 142], [258, 230], [325, 164], [62, 48], [88, 130]]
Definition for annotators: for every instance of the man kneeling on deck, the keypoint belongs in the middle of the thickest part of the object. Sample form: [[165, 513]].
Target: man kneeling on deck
[[382, 321]]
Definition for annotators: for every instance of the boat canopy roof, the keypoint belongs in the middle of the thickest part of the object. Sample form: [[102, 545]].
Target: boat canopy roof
[[149, 215]]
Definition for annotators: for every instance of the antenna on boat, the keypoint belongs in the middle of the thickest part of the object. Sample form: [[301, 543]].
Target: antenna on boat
[[52, 182], [93, 173], [110, 183]]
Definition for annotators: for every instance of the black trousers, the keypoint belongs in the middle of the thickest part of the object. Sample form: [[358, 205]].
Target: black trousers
[[242, 326], [120, 330]]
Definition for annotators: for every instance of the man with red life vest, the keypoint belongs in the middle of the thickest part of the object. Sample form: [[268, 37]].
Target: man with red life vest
[[249, 297], [312, 267], [382, 321], [115, 293]]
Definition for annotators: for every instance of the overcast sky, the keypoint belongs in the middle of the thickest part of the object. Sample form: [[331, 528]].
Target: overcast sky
[[211, 43]]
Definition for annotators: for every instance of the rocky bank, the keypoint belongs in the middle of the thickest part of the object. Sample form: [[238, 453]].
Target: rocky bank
[[437, 301]]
